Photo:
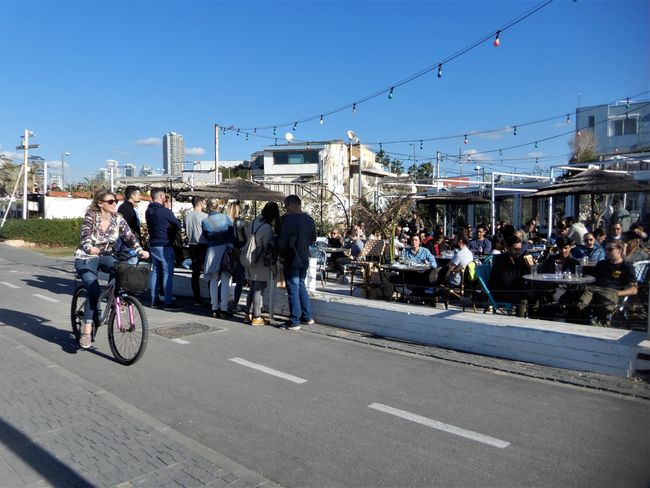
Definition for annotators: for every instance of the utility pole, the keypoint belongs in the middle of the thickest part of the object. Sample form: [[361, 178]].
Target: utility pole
[[26, 146], [437, 173], [216, 154]]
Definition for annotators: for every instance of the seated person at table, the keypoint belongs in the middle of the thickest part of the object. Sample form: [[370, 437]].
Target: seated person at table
[[355, 245], [590, 249], [439, 245], [419, 280], [563, 256], [451, 274], [506, 278], [577, 230], [637, 228], [530, 231], [634, 248], [481, 245], [614, 279], [335, 239], [525, 245]]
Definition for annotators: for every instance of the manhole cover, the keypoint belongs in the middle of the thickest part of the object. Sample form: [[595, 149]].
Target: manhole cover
[[183, 330]]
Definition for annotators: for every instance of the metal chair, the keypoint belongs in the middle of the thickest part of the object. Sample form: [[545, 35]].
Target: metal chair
[[623, 307], [483, 277], [371, 254], [321, 261]]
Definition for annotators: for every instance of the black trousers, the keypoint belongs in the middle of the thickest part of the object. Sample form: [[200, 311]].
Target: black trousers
[[197, 255]]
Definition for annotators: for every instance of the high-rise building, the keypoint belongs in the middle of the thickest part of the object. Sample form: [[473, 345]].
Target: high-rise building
[[173, 153]]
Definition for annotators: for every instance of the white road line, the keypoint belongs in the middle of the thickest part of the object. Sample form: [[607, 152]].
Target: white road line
[[267, 370], [10, 285], [47, 299], [180, 341], [434, 424]]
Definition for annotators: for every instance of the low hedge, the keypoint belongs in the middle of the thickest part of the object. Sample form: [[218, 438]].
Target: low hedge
[[49, 232]]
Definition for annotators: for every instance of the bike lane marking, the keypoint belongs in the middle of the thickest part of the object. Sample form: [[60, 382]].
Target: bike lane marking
[[267, 370], [180, 341], [47, 299], [434, 424], [10, 285]]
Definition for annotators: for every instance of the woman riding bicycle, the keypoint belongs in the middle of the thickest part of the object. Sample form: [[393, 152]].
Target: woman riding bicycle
[[101, 228]]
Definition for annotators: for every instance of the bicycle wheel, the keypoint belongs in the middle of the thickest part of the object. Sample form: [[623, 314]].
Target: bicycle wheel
[[77, 310], [128, 330]]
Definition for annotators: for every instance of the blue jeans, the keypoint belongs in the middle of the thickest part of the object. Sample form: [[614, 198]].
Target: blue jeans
[[299, 303], [87, 270], [162, 263]]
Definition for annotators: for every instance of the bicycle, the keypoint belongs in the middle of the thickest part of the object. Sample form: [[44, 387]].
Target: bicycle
[[128, 326]]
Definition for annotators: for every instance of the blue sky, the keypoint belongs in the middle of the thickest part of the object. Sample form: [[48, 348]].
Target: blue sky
[[105, 79]]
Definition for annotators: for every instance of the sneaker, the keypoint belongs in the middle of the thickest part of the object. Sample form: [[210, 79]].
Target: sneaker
[[85, 340], [157, 305], [172, 307], [293, 327], [308, 322], [248, 317], [216, 314], [258, 321]]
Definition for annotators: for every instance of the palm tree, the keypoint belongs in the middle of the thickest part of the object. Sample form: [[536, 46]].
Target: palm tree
[[8, 177]]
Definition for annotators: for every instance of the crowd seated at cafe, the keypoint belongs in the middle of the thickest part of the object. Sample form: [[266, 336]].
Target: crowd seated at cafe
[[418, 281], [563, 257], [614, 279], [481, 245], [451, 273], [589, 249], [417, 254], [355, 245], [635, 250]]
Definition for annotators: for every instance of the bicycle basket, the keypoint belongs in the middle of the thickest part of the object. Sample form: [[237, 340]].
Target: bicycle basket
[[133, 279]]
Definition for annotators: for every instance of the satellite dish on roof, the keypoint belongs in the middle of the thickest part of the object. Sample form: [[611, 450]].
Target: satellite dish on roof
[[289, 137], [351, 135]]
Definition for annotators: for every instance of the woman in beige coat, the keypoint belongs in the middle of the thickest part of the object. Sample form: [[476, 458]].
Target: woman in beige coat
[[263, 229]]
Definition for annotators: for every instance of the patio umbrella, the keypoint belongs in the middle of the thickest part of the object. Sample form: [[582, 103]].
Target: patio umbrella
[[237, 189], [592, 182]]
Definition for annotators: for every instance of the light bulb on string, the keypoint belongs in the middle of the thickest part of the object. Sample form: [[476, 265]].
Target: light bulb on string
[[627, 103], [295, 124], [578, 134], [321, 120], [500, 152], [390, 93], [568, 119], [274, 131], [237, 132], [381, 146], [421, 146], [535, 144], [440, 71], [354, 108], [465, 141], [497, 40], [627, 115], [514, 131], [247, 136], [276, 141], [308, 145], [255, 131]]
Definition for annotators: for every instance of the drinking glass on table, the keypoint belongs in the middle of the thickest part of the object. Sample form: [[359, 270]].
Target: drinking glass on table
[[579, 271], [558, 269], [533, 270]]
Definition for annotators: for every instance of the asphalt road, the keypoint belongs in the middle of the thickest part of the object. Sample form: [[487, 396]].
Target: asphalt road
[[308, 410]]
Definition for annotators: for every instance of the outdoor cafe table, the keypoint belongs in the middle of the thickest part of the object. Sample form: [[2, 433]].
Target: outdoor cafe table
[[403, 269], [550, 278]]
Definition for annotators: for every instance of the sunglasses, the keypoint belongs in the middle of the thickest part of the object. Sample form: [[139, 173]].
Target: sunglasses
[[110, 202], [610, 248]]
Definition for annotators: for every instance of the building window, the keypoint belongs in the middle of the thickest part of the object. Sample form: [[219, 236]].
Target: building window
[[623, 127], [295, 157], [592, 121]]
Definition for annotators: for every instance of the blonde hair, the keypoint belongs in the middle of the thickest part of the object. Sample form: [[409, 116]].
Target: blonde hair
[[213, 204], [234, 208], [99, 196]]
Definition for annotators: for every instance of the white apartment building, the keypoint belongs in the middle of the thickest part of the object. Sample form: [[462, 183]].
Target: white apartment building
[[173, 153]]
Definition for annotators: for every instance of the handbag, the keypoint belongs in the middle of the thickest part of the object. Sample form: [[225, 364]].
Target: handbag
[[227, 263]]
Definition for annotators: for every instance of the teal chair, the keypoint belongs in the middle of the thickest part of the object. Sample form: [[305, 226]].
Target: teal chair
[[483, 277]]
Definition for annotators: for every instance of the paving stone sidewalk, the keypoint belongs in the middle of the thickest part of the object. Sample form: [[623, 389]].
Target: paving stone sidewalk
[[56, 429]]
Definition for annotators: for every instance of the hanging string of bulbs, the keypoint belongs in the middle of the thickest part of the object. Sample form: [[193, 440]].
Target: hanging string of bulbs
[[390, 91]]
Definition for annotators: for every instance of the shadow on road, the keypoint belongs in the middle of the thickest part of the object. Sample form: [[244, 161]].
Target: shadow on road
[[60, 286], [55, 472], [38, 326]]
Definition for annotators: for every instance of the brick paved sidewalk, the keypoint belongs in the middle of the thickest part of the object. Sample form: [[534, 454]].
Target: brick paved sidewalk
[[57, 429]]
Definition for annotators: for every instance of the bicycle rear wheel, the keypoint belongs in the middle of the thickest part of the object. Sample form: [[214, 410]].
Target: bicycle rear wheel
[[128, 330], [77, 310]]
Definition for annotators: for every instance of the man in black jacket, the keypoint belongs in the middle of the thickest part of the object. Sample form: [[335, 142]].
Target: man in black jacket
[[132, 197]]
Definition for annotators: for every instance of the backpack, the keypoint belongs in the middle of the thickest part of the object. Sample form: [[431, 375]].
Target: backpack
[[250, 253]]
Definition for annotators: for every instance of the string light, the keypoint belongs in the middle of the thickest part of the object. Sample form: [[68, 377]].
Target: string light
[[354, 108], [274, 131], [578, 133], [497, 41], [381, 146], [514, 131], [255, 131], [627, 103], [465, 141], [390, 93], [247, 136], [421, 146], [568, 119], [276, 141], [295, 124], [535, 144], [237, 132], [500, 153], [440, 71], [321, 120]]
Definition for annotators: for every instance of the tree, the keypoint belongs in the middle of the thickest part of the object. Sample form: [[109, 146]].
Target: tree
[[583, 147], [96, 183], [396, 167], [382, 159], [424, 172], [8, 177]]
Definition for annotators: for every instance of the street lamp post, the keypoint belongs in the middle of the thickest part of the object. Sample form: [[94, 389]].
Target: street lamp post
[[63, 155], [26, 146]]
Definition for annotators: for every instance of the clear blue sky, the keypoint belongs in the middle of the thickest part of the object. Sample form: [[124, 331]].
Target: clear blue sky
[[101, 78]]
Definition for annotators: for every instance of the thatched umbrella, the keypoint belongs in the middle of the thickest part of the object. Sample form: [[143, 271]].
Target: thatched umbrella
[[237, 189], [592, 182]]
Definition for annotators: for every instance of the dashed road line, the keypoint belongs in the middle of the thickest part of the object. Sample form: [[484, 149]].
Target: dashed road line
[[267, 370], [10, 285], [47, 299], [180, 341], [434, 424]]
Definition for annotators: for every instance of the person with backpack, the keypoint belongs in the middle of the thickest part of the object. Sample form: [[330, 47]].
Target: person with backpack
[[241, 238], [258, 258]]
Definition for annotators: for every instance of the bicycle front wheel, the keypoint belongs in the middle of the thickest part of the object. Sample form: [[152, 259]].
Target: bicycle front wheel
[[128, 330], [77, 310]]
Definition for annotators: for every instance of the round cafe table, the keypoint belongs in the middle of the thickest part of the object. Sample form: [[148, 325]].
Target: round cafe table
[[564, 280], [403, 269]]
